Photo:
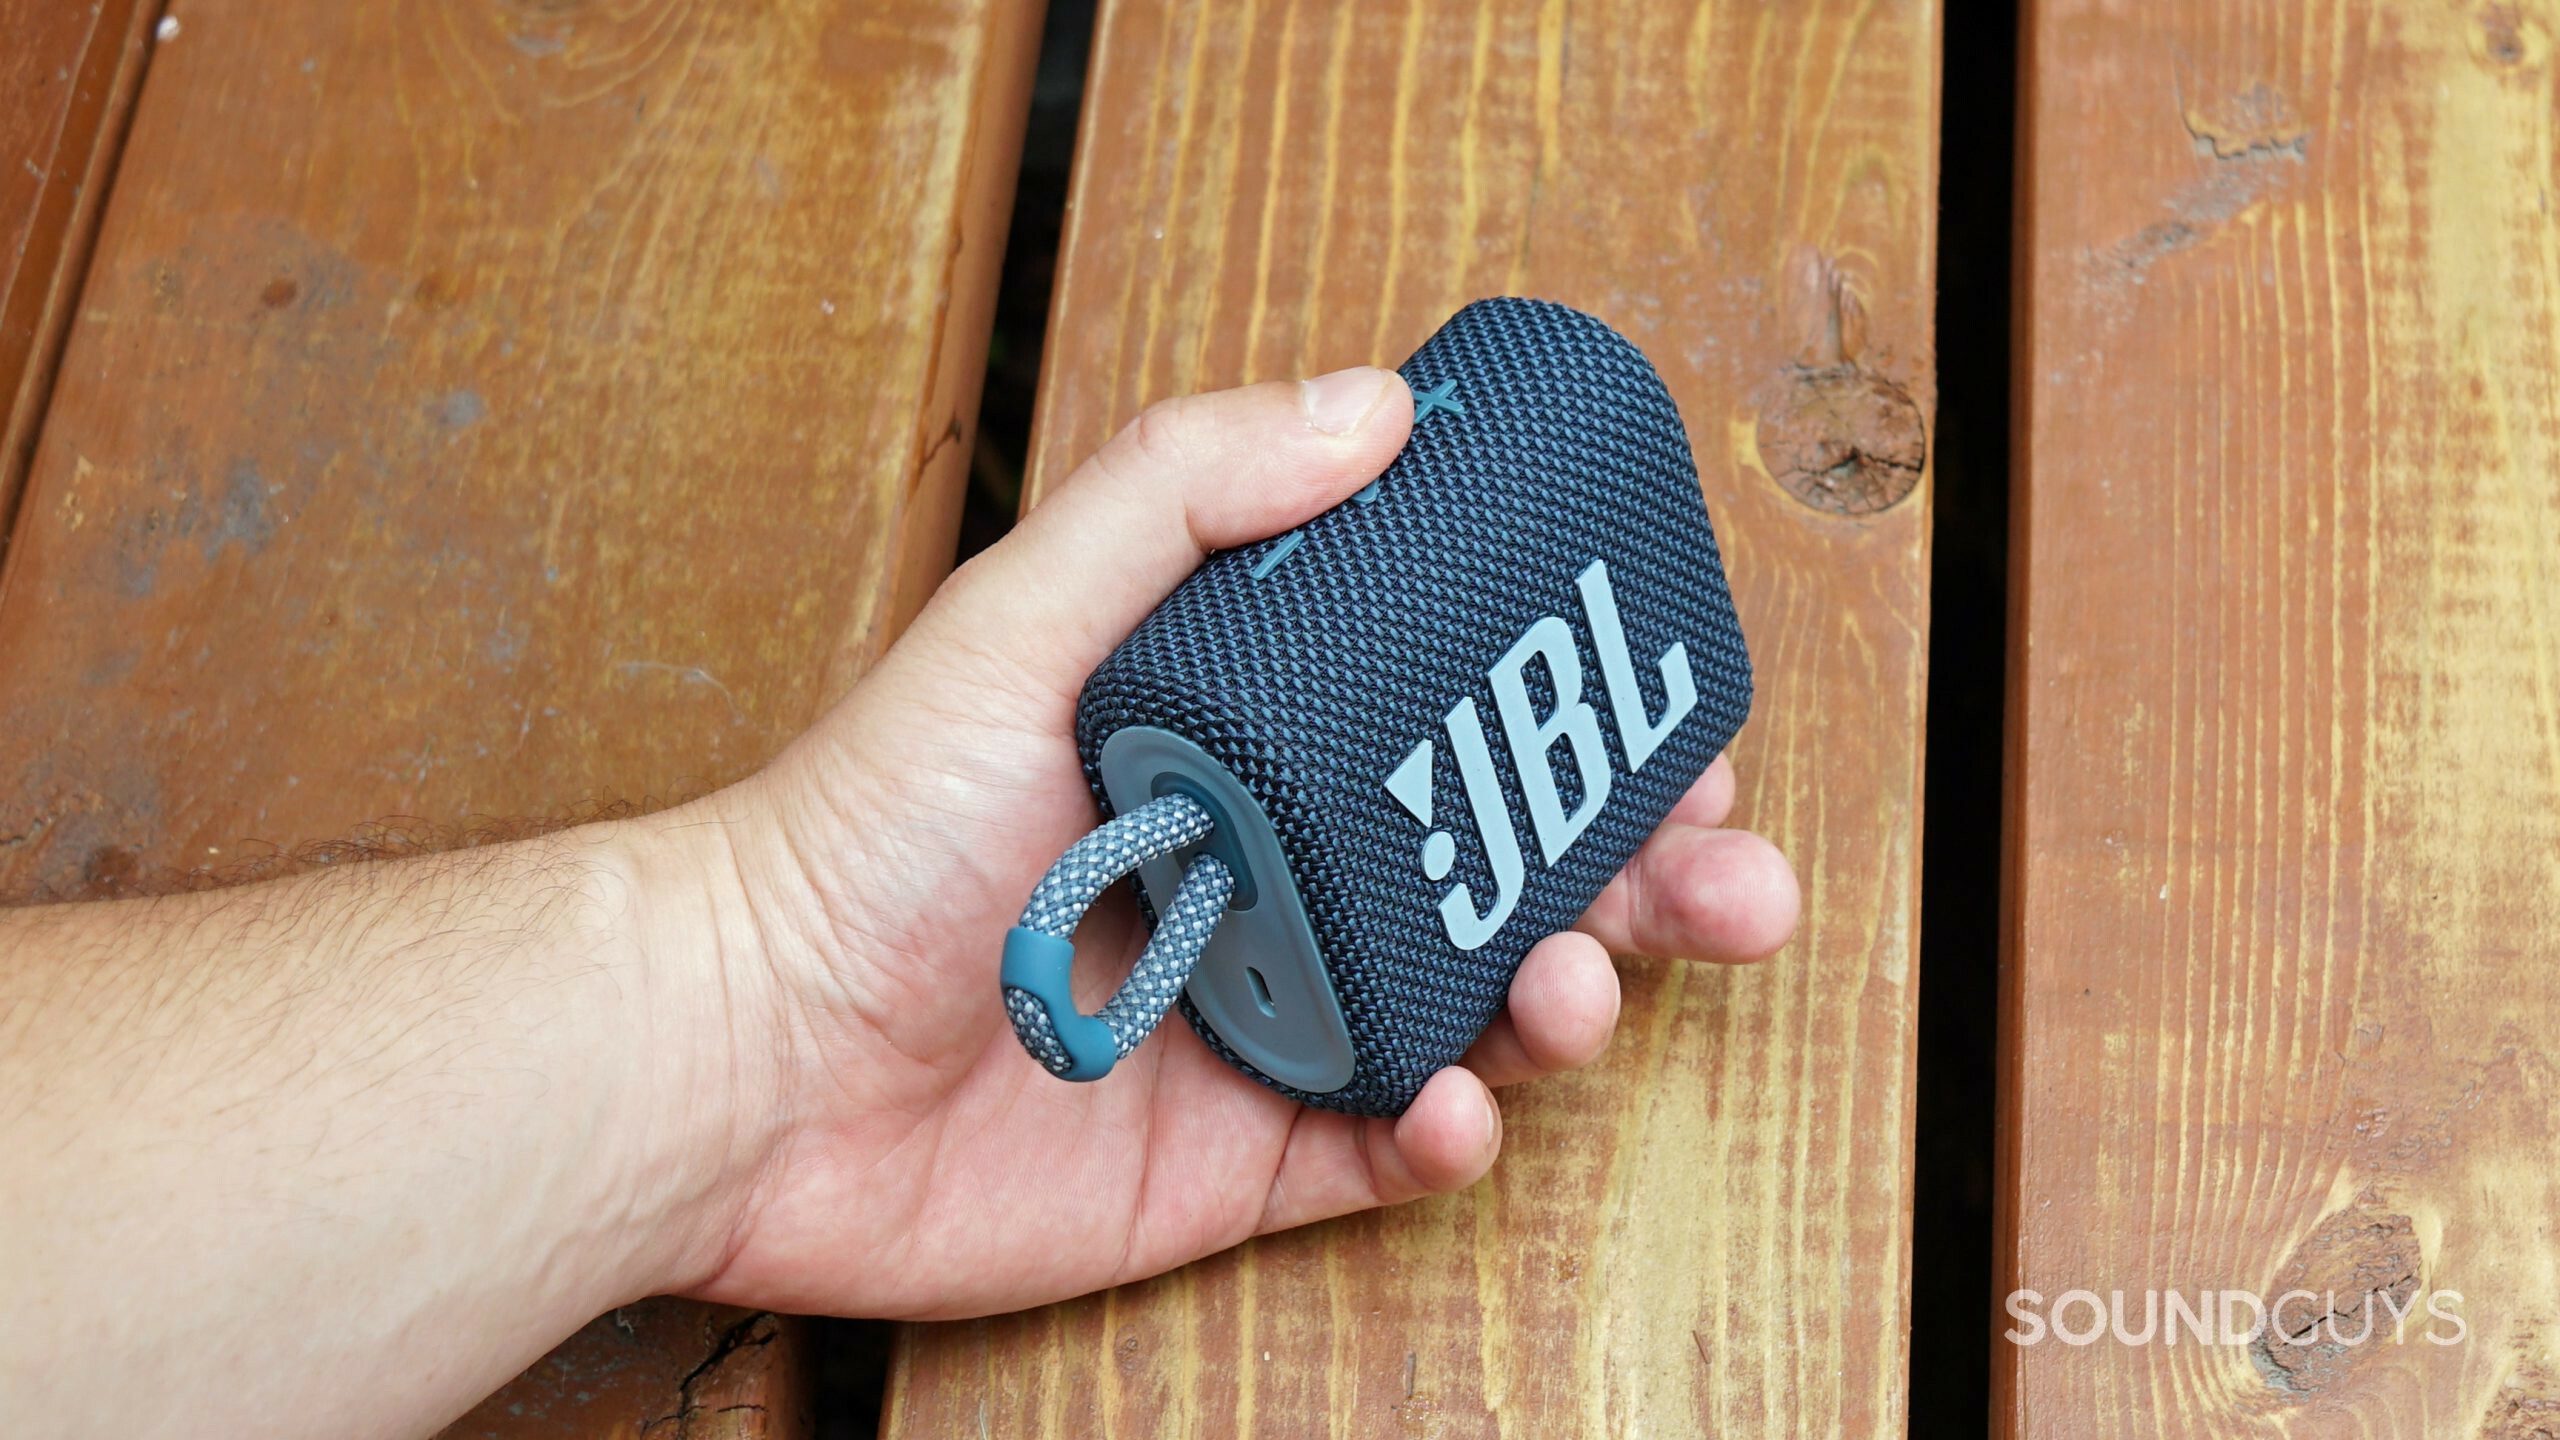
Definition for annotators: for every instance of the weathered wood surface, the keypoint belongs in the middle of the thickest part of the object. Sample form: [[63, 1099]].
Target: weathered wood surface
[[736, 1375], [1708, 1232], [2286, 776], [495, 410], [68, 72]]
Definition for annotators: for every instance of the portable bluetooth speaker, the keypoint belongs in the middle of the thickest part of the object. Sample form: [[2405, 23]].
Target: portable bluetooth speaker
[[1360, 768]]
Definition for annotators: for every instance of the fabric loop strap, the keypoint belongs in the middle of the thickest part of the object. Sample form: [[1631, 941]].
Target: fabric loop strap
[[1039, 953]]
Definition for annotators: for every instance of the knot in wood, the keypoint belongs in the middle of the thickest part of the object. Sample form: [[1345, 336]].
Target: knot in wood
[[2362, 1270], [1843, 440]]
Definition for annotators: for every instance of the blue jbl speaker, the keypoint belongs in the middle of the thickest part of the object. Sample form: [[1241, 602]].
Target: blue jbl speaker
[[1360, 768]]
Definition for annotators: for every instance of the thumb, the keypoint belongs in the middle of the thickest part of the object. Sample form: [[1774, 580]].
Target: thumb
[[1189, 476]]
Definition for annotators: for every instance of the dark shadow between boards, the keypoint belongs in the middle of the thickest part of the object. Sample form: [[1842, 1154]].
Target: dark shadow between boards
[[1951, 1238]]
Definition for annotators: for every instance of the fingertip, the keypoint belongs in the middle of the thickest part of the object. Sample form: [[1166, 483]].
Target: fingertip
[[1343, 430], [1233, 466], [1755, 900], [1451, 1133], [1564, 1001], [1696, 893], [1346, 402]]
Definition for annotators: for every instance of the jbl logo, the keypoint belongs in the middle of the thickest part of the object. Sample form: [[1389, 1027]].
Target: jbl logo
[[1533, 740]]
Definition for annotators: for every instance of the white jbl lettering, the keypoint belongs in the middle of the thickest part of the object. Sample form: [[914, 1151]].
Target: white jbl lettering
[[1533, 741], [1679, 688], [1570, 721]]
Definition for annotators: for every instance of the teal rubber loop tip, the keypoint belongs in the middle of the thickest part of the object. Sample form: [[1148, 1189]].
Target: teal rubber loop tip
[[1040, 966]]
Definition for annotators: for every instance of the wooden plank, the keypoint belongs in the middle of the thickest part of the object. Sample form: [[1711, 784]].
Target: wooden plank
[[1709, 1231], [496, 411], [2286, 789], [68, 73], [456, 387], [701, 1372]]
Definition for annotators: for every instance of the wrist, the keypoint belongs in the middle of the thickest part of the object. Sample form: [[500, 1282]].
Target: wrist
[[706, 1060]]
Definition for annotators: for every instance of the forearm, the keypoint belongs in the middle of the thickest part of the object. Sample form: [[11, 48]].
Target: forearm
[[409, 1123]]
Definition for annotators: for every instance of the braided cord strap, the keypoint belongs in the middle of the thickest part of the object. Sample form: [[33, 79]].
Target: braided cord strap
[[1039, 953]]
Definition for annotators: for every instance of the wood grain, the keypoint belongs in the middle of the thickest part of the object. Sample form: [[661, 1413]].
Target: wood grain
[[1709, 1231], [746, 1380], [68, 73], [495, 410], [2286, 711]]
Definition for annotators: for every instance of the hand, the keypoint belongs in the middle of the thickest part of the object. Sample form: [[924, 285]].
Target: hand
[[920, 1164]]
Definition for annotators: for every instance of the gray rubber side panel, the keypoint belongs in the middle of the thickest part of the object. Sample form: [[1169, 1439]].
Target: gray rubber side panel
[[1301, 1040]]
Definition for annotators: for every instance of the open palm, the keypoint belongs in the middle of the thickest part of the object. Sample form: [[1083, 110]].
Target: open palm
[[926, 1165]]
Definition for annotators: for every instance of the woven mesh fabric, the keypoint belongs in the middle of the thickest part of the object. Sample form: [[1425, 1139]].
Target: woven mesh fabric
[[1311, 682]]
